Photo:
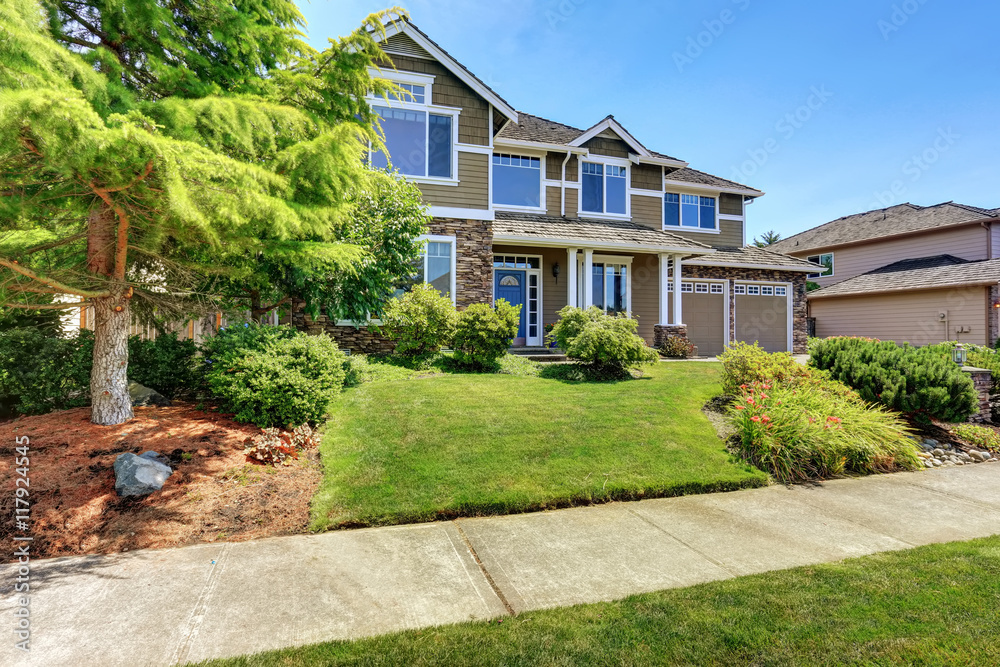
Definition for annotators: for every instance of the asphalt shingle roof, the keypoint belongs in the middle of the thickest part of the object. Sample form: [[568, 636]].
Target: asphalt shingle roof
[[916, 274], [899, 219], [534, 128], [689, 175], [759, 256], [594, 231]]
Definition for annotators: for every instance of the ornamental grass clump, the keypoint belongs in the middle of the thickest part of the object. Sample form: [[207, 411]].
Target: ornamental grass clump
[[814, 428], [918, 381]]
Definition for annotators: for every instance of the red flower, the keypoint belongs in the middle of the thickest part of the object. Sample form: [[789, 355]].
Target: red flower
[[765, 419], [755, 418], [740, 407]]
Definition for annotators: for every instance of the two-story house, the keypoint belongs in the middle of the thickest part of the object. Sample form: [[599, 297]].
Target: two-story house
[[907, 273], [544, 215]]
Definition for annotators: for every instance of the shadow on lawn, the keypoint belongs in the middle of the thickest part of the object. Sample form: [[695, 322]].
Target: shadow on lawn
[[574, 373]]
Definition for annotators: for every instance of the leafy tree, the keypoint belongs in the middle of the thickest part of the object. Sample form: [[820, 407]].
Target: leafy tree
[[145, 145], [769, 237]]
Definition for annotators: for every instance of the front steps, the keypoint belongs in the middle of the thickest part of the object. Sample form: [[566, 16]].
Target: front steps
[[544, 355]]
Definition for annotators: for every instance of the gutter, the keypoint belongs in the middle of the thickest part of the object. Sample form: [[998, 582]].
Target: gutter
[[768, 267], [897, 290], [599, 245]]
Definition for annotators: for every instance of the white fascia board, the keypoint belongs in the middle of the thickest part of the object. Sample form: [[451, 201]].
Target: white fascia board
[[616, 127], [712, 188], [539, 146], [453, 66], [740, 265], [461, 213], [598, 245], [658, 161]]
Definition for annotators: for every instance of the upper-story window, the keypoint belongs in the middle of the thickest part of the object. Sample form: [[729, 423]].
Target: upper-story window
[[604, 188], [517, 180], [826, 259], [419, 137], [689, 211]]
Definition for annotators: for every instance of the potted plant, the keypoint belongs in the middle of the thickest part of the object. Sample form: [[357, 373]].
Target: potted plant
[[548, 332]]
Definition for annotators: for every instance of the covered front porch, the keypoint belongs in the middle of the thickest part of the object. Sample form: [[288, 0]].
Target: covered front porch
[[544, 279]]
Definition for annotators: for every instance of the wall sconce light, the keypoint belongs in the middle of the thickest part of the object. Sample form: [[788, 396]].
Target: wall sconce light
[[996, 304], [959, 354], [555, 272]]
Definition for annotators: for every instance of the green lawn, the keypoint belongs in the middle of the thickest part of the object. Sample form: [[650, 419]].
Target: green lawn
[[936, 605], [436, 447]]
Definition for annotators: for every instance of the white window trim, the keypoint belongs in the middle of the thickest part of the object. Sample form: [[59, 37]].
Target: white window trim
[[430, 109], [541, 208], [625, 260], [682, 228], [833, 266], [605, 161], [414, 78], [424, 239]]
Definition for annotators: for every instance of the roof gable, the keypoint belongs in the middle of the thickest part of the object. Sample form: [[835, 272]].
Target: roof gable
[[617, 130], [417, 41]]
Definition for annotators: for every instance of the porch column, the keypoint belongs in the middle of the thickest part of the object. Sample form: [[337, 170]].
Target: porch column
[[678, 315], [588, 279], [571, 286], [664, 293]]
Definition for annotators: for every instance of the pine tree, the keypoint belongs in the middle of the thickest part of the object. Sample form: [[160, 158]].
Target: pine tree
[[147, 144], [767, 238]]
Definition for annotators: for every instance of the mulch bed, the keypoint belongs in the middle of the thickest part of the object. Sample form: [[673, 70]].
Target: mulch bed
[[215, 493]]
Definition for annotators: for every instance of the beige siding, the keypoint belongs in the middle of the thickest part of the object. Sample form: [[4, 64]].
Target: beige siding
[[553, 201], [965, 242], [648, 211], [553, 167], [906, 316], [647, 177], [730, 204], [729, 236], [472, 191], [450, 91], [646, 294], [607, 146]]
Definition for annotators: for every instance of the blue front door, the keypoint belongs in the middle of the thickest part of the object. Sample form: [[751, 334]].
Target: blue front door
[[509, 286]]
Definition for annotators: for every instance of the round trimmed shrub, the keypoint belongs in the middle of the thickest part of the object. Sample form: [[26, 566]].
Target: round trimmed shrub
[[422, 321], [285, 382], [609, 345], [483, 334]]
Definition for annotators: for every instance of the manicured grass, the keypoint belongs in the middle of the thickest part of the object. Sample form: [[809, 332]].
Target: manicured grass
[[936, 605], [471, 444]]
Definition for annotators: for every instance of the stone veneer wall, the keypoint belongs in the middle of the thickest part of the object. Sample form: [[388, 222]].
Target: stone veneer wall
[[982, 380], [800, 332], [992, 316], [473, 283]]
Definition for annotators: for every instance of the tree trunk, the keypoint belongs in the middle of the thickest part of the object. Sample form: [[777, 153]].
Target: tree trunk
[[109, 398]]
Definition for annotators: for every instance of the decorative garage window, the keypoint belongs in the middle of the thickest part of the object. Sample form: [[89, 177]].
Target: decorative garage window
[[780, 291], [753, 290], [701, 288], [687, 288], [716, 288], [740, 289], [767, 290]]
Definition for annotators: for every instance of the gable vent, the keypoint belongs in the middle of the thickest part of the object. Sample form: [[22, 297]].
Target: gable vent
[[403, 44]]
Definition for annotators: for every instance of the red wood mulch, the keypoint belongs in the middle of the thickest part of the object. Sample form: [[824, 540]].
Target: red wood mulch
[[215, 493]]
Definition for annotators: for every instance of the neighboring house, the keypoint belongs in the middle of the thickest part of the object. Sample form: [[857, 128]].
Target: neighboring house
[[907, 273], [544, 215]]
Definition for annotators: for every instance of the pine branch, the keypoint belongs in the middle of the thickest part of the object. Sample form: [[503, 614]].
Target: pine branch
[[46, 306], [66, 289]]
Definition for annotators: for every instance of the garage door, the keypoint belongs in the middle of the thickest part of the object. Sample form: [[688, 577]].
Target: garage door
[[704, 311], [762, 315]]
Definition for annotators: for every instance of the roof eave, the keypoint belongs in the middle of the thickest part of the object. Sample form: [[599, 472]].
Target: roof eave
[[879, 239], [715, 188], [539, 145], [549, 242], [818, 294], [768, 267]]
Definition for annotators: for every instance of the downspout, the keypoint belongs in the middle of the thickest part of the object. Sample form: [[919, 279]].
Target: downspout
[[563, 182]]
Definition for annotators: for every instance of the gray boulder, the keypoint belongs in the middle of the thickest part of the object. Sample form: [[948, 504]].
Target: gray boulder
[[139, 475], [143, 396], [155, 456]]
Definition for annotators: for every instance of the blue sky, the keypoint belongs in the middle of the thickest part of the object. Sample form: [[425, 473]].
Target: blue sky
[[831, 108]]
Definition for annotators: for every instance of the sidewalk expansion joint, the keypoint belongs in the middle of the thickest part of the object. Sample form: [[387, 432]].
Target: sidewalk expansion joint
[[666, 532], [859, 524], [486, 573], [200, 607]]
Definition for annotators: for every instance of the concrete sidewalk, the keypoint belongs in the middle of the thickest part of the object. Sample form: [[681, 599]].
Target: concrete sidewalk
[[177, 605]]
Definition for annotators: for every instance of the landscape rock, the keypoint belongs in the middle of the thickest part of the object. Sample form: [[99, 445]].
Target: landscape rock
[[144, 396], [139, 475], [938, 453], [155, 456]]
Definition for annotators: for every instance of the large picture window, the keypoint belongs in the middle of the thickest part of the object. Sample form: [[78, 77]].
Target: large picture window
[[689, 211], [517, 180], [826, 259], [419, 142], [610, 285], [604, 188], [436, 266]]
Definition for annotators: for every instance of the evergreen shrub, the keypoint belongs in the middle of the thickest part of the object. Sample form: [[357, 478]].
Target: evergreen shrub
[[608, 344], [483, 334], [421, 322], [40, 373]]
